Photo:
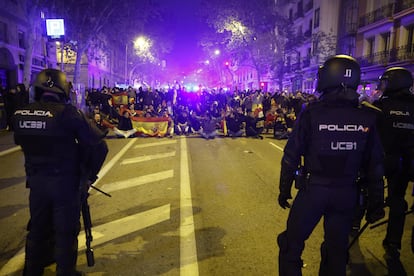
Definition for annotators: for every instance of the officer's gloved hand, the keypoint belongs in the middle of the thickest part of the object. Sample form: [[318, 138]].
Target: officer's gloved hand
[[283, 200], [375, 214]]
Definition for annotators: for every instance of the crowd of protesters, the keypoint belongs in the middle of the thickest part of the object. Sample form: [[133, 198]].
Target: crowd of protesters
[[206, 113]]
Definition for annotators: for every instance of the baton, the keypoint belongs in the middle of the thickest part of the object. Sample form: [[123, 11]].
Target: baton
[[386, 221], [358, 235], [99, 190]]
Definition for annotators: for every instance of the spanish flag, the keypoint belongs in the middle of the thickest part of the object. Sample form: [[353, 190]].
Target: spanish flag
[[153, 126], [120, 99]]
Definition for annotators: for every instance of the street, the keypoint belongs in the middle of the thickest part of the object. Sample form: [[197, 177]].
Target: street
[[184, 206]]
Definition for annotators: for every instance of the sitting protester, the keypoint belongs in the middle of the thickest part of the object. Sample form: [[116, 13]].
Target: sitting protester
[[252, 129]]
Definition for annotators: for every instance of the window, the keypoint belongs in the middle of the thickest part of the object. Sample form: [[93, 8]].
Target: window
[[386, 41], [22, 43], [316, 18], [410, 41], [370, 48], [3, 32]]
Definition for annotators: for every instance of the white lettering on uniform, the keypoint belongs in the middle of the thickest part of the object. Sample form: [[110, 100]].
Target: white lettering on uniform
[[32, 124], [348, 73], [40, 113], [402, 125], [346, 128], [399, 113], [343, 145]]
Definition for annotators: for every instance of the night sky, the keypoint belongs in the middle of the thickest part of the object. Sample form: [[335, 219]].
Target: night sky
[[186, 26]]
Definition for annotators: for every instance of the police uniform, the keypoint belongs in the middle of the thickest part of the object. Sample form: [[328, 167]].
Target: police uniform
[[336, 138], [397, 134], [55, 138]]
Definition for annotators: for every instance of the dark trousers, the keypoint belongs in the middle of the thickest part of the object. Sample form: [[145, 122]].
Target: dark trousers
[[397, 186], [54, 204], [336, 206]]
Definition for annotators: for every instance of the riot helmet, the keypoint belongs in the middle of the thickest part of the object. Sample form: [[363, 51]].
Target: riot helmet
[[51, 80], [338, 71], [395, 79]]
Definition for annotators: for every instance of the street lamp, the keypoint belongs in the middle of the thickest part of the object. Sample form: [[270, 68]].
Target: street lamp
[[142, 49]]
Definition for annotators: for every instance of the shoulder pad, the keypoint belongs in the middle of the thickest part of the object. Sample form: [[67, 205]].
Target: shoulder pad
[[370, 106]]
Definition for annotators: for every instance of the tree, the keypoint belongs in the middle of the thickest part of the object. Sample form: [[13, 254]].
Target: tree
[[253, 33], [32, 35], [323, 45]]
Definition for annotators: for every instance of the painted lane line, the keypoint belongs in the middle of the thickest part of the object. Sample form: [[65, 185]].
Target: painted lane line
[[17, 261], [188, 248], [160, 143], [104, 233], [126, 225], [147, 158], [13, 149], [276, 146], [137, 181], [14, 264], [113, 161]]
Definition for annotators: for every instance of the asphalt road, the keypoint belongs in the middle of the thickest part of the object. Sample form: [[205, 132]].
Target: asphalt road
[[183, 206]]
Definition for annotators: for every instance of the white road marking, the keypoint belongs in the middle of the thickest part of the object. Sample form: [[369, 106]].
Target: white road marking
[[104, 233], [17, 261], [136, 181], [112, 162], [14, 264], [126, 225], [160, 143], [13, 149], [188, 249], [276, 146], [147, 158]]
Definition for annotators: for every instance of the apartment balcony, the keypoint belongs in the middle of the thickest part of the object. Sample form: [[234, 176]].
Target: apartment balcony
[[298, 14], [351, 28], [401, 54], [376, 15], [308, 6], [401, 5]]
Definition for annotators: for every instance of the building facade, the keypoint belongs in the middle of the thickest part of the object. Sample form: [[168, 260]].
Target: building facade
[[98, 68], [385, 38], [378, 33], [14, 29]]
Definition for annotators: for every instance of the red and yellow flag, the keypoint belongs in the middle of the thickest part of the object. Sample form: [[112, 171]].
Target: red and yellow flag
[[153, 126]]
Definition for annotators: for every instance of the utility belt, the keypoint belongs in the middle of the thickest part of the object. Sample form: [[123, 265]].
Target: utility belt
[[304, 179], [42, 170]]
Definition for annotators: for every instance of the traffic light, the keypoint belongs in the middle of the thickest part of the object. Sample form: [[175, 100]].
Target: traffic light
[[227, 64]]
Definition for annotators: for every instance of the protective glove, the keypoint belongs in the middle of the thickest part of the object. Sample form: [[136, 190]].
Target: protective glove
[[375, 214], [283, 200]]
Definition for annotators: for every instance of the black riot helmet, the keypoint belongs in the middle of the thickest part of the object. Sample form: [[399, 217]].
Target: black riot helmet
[[51, 80], [338, 71], [395, 79]]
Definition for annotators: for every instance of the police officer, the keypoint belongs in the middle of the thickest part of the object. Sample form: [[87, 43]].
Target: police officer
[[335, 138], [55, 138], [397, 135]]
